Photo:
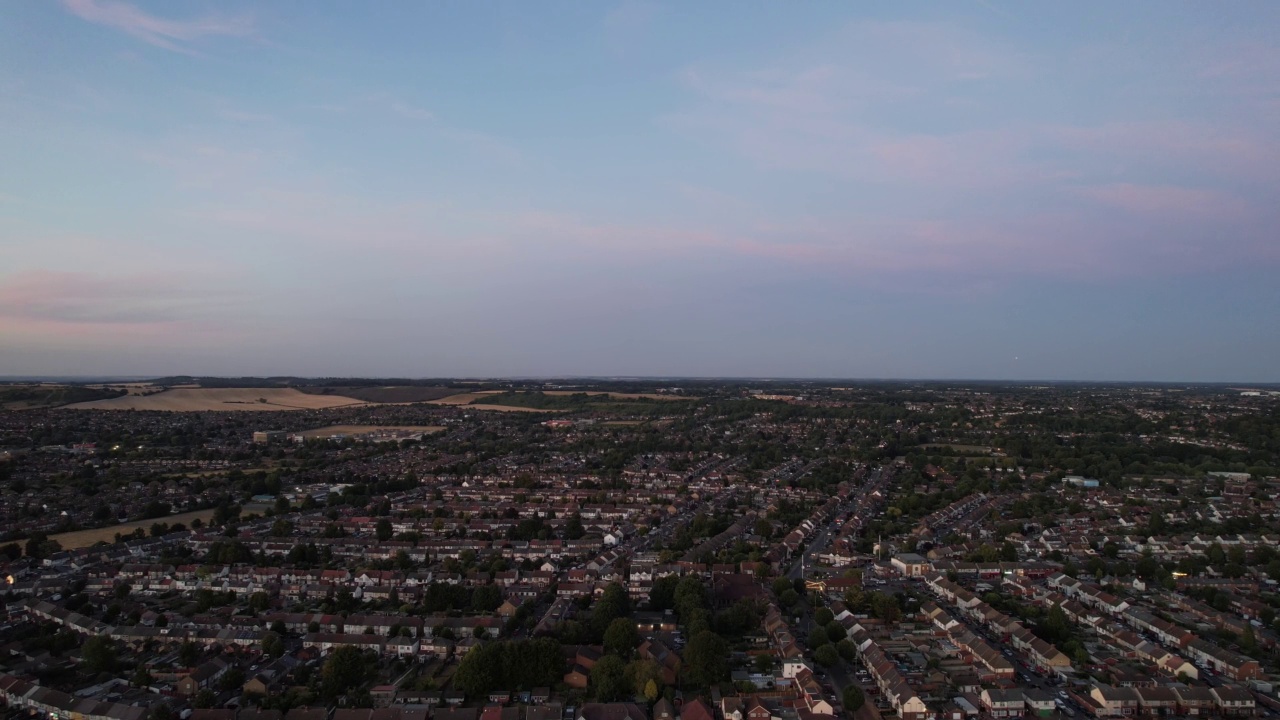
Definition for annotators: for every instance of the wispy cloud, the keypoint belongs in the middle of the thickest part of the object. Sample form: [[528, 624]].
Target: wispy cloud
[[169, 34], [58, 297], [406, 110]]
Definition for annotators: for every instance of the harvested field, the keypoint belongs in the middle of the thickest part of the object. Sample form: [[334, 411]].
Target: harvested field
[[460, 398], [85, 538], [220, 399], [332, 430], [469, 400], [389, 394], [620, 395], [507, 408]]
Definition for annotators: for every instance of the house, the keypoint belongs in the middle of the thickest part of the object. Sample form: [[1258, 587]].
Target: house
[[696, 710], [202, 677], [662, 710], [578, 677], [757, 711], [911, 564], [307, 713], [610, 711], [1002, 703], [1159, 700], [1233, 700], [1039, 702], [1114, 701]]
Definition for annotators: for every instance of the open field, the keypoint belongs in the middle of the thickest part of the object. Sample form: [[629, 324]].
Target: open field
[[332, 430], [507, 408], [30, 396], [85, 538], [388, 394], [221, 399], [620, 395], [460, 398]]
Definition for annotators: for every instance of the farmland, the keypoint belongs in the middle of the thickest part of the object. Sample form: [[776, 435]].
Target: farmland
[[337, 430], [220, 399], [86, 538]]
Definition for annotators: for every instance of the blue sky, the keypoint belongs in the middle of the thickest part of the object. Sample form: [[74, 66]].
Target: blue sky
[[951, 190]]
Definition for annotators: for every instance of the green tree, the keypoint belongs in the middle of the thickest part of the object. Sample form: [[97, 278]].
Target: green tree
[[852, 698], [847, 650], [662, 596], [823, 616], [272, 644], [826, 655], [383, 530], [608, 679], [643, 674], [621, 637], [818, 637], [345, 669], [188, 654], [232, 679], [836, 631], [707, 658], [204, 699], [613, 604], [1056, 625], [99, 654]]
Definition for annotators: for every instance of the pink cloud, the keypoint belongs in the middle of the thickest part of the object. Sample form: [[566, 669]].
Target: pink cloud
[[168, 34], [78, 299], [1169, 201]]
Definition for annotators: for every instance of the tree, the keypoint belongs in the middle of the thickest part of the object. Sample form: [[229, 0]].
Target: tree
[[272, 644], [384, 530], [608, 679], [826, 655], [836, 631], [259, 601], [818, 637], [651, 691], [231, 680], [205, 699], [707, 658], [612, 604], [1056, 625], [573, 529], [344, 670], [188, 654], [643, 674], [662, 596], [822, 616], [621, 637], [847, 650], [852, 697], [1248, 640], [99, 654]]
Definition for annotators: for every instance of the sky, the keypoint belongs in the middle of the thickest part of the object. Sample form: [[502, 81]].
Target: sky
[[983, 190]]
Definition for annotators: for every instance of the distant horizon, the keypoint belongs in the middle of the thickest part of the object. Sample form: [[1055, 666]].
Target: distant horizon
[[1233, 384], [987, 189]]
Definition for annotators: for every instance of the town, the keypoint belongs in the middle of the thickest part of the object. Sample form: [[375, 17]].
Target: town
[[684, 550]]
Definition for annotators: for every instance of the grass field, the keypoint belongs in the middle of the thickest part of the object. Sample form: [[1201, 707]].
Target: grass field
[[620, 395], [85, 538], [220, 399], [388, 394], [460, 398], [507, 408], [332, 430]]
